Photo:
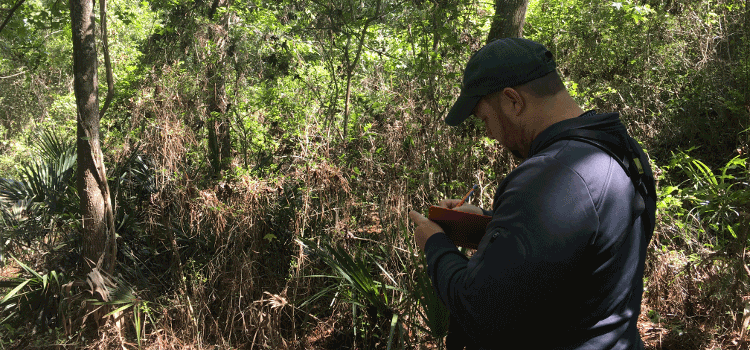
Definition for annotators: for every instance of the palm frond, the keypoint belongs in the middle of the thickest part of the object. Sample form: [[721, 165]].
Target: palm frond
[[431, 309], [28, 295], [355, 270], [48, 179], [12, 191], [55, 146]]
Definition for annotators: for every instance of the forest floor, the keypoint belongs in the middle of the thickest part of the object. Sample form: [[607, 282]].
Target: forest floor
[[668, 335], [662, 335]]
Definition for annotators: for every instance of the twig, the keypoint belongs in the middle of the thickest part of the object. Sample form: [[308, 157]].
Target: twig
[[11, 76]]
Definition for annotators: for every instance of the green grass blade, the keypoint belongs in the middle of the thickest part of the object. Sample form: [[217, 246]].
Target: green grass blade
[[431, 308], [354, 320], [318, 295], [386, 273], [323, 276], [705, 172], [394, 322], [137, 323], [14, 291], [8, 318], [56, 277], [28, 269], [121, 308], [111, 302]]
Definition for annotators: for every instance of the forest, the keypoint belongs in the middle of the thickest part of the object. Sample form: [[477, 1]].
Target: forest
[[237, 174]]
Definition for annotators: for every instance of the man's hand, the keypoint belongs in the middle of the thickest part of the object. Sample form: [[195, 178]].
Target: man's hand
[[466, 208], [424, 228]]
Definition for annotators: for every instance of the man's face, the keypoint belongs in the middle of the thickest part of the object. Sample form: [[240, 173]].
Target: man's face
[[498, 125], [486, 112]]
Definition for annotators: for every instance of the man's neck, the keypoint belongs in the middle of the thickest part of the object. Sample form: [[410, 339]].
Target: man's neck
[[550, 111], [558, 108]]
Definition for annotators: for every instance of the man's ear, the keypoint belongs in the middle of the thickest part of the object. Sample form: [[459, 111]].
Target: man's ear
[[518, 101]]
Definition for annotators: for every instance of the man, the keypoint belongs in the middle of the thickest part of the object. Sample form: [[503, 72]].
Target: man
[[561, 263]]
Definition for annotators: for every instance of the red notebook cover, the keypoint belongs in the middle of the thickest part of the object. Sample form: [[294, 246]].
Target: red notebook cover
[[464, 229]]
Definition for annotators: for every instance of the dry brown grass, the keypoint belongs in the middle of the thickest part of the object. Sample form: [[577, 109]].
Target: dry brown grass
[[245, 290], [695, 296], [242, 289]]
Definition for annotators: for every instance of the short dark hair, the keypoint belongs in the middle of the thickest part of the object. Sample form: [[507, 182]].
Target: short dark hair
[[545, 86]]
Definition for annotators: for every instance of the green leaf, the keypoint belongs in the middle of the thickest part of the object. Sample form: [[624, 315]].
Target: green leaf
[[13, 292], [118, 310], [431, 309], [394, 322], [28, 269], [731, 230]]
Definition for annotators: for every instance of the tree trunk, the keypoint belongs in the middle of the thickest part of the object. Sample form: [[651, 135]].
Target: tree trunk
[[351, 64], [509, 18], [96, 210], [219, 136]]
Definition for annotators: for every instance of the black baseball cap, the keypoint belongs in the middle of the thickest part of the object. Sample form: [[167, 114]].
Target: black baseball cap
[[502, 63]]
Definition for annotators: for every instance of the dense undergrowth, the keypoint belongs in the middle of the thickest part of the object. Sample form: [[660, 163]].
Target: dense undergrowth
[[300, 239]]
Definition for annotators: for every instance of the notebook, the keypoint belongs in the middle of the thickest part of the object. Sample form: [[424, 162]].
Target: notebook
[[464, 229]]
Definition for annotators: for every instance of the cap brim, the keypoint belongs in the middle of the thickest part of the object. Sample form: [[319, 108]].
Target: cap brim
[[462, 109]]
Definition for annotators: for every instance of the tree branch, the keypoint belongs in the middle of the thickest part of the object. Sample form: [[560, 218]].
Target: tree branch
[[13, 75], [12, 10]]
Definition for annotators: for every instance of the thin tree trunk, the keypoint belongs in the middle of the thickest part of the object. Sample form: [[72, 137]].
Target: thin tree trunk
[[99, 245], [219, 140], [219, 130], [346, 102], [353, 64], [219, 135], [509, 18]]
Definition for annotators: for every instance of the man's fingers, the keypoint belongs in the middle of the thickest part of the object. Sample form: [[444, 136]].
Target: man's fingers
[[449, 203], [468, 208]]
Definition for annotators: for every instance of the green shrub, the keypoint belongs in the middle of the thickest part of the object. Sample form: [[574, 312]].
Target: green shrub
[[717, 198]]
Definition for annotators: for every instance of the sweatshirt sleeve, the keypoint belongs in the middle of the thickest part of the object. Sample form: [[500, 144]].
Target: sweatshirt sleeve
[[526, 263]]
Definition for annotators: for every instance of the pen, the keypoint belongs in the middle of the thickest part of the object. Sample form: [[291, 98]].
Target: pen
[[468, 195]]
